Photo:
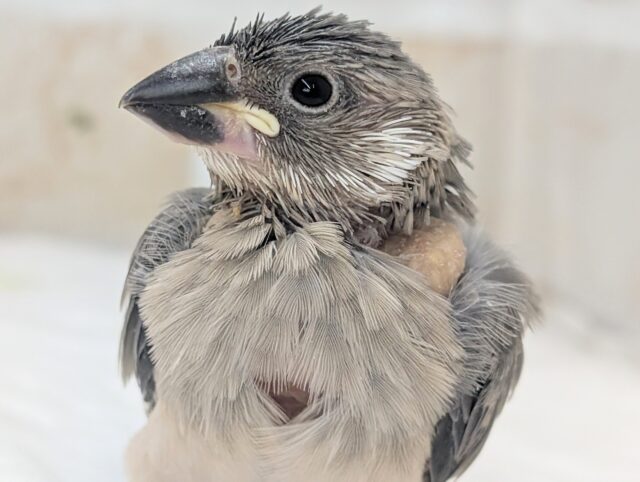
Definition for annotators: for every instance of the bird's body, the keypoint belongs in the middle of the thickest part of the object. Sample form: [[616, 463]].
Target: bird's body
[[273, 337]]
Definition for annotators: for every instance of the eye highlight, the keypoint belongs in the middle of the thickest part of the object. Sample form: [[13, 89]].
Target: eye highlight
[[312, 90]]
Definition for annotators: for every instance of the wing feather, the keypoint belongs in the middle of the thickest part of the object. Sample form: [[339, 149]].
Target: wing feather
[[171, 231], [492, 304]]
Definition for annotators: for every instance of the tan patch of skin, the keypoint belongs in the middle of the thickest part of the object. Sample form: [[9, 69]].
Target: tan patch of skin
[[436, 251], [292, 399]]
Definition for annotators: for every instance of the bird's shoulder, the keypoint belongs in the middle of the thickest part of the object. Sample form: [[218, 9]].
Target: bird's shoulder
[[437, 251], [492, 304], [172, 230]]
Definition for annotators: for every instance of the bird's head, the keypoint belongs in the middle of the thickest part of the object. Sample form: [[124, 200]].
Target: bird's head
[[315, 116]]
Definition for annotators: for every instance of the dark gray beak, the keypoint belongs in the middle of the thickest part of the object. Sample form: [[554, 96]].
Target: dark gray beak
[[171, 97]]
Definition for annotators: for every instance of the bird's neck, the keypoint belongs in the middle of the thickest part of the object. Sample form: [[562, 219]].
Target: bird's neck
[[368, 227]]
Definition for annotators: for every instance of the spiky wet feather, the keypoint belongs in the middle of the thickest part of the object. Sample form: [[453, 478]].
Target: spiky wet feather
[[385, 152]]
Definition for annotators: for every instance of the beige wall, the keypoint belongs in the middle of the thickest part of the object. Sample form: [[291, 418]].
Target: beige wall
[[555, 133], [575, 163], [552, 116], [71, 163]]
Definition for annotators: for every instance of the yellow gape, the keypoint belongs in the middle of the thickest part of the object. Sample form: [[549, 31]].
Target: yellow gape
[[260, 119]]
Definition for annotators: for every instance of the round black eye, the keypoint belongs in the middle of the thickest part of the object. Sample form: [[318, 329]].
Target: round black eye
[[312, 90]]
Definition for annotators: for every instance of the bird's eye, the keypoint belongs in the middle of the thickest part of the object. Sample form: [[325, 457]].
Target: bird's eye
[[312, 90]]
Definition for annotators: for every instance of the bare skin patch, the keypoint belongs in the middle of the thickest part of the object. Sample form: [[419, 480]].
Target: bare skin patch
[[291, 399], [436, 251]]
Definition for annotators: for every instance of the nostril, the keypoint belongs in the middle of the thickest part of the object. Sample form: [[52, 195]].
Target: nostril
[[232, 71]]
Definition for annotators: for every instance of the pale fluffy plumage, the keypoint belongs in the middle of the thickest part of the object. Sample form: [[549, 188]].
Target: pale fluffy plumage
[[372, 344], [225, 310]]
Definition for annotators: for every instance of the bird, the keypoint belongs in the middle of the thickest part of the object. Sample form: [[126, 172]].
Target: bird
[[328, 310]]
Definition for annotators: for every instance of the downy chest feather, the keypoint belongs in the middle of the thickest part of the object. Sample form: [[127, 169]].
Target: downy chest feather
[[244, 312]]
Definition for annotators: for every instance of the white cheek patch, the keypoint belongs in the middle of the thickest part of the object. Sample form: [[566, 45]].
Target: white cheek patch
[[399, 151]]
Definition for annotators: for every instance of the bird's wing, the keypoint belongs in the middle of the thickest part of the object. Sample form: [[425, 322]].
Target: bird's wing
[[172, 230], [492, 304]]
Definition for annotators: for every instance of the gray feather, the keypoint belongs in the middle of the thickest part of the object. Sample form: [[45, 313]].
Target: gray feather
[[171, 231], [492, 304], [386, 151]]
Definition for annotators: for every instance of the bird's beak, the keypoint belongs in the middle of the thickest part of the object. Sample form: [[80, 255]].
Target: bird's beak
[[196, 101]]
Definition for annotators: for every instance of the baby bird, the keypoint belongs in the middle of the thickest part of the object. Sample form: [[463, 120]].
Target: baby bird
[[327, 311]]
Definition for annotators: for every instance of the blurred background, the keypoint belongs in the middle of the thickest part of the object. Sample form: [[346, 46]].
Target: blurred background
[[547, 92]]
